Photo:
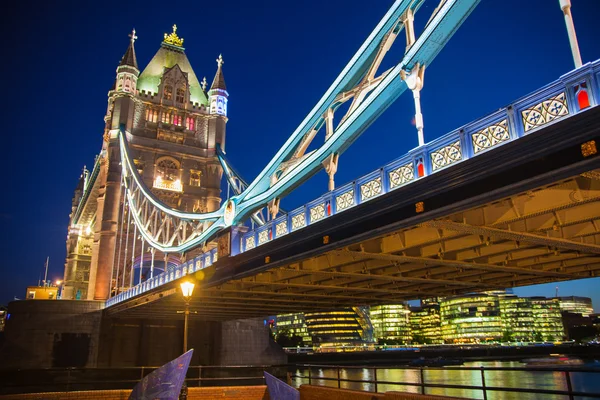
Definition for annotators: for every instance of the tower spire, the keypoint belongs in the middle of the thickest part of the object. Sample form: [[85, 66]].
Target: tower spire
[[129, 58], [219, 81]]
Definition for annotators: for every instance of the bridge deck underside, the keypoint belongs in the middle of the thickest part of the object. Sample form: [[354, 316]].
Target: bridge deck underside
[[551, 233]]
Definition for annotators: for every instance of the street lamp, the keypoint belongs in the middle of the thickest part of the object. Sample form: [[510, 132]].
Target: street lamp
[[187, 288]]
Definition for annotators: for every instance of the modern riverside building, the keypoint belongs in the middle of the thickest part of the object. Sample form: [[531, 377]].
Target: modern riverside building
[[391, 324], [517, 318], [425, 323], [471, 318], [295, 324], [547, 319], [474, 318], [343, 327], [577, 305]]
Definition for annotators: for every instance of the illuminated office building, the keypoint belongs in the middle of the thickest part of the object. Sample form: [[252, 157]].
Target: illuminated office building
[[391, 323], [343, 327], [547, 319], [425, 323], [295, 325], [577, 305], [472, 318], [517, 318]]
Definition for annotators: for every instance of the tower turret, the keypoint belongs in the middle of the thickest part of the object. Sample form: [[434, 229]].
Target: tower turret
[[127, 71], [218, 91], [218, 96]]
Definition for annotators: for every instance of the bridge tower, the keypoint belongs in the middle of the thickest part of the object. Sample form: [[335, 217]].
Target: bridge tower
[[172, 131]]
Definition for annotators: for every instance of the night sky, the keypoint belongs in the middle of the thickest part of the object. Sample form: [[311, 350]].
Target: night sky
[[280, 56]]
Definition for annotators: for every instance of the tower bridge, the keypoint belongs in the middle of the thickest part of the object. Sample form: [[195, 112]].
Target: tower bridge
[[480, 224], [510, 199]]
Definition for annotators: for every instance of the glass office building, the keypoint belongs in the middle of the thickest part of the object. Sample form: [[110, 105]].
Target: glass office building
[[472, 318], [517, 318], [577, 305], [547, 319], [295, 325], [343, 327], [391, 324], [425, 323]]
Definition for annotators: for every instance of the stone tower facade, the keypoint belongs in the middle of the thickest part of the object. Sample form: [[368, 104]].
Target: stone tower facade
[[173, 125]]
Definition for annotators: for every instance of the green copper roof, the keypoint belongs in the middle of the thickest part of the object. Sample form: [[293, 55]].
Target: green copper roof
[[166, 57]]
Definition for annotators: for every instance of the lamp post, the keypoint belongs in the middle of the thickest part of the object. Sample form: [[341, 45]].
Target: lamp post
[[187, 288]]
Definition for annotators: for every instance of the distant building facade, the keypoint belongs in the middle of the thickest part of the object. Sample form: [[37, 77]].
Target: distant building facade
[[173, 124], [425, 323], [391, 323], [42, 293], [343, 327], [474, 318], [471, 318], [295, 324], [577, 305]]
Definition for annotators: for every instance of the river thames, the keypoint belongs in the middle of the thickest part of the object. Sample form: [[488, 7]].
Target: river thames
[[588, 382]]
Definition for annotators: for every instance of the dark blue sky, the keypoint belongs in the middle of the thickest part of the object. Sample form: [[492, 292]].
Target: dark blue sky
[[60, 58]]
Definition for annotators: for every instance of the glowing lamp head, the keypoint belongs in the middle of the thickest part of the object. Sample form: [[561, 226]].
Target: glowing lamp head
[[58, 282], [88, 230], [187, 288]]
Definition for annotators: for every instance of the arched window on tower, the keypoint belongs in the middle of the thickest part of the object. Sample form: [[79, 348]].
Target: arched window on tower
[[127, 85], [194, 177], [167, 117], [190, 123], [177, 120], [166, 175], [180, 95], [151, 115], [168, 92]]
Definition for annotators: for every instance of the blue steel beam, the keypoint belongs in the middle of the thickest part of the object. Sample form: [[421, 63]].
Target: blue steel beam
[[258, 193]]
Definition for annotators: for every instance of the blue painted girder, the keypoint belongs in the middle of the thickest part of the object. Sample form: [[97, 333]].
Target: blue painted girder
[[435, 36]]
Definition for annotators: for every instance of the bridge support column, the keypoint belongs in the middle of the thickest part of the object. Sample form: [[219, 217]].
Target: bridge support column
[[565, 5], [273, 207], [331, 166], [414, 80], [105, 236]]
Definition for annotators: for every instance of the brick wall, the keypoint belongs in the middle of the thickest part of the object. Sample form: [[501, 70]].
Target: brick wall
[[51, 333], [205, 393]]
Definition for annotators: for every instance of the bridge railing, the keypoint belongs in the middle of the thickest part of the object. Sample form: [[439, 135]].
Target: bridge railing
[[204, 260], [566, 382], [572, 93]]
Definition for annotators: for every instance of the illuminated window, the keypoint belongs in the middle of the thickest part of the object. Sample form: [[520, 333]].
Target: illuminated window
[[151, 115], [167, 117], [167, 175], [194, 178], [189, 122], [168, 92], [139, 165], [50, 295], [180, 95], [127, 86], [31, 295], [177, 120]]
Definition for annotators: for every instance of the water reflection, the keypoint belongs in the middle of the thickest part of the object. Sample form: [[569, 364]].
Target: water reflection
[[408, 380]]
